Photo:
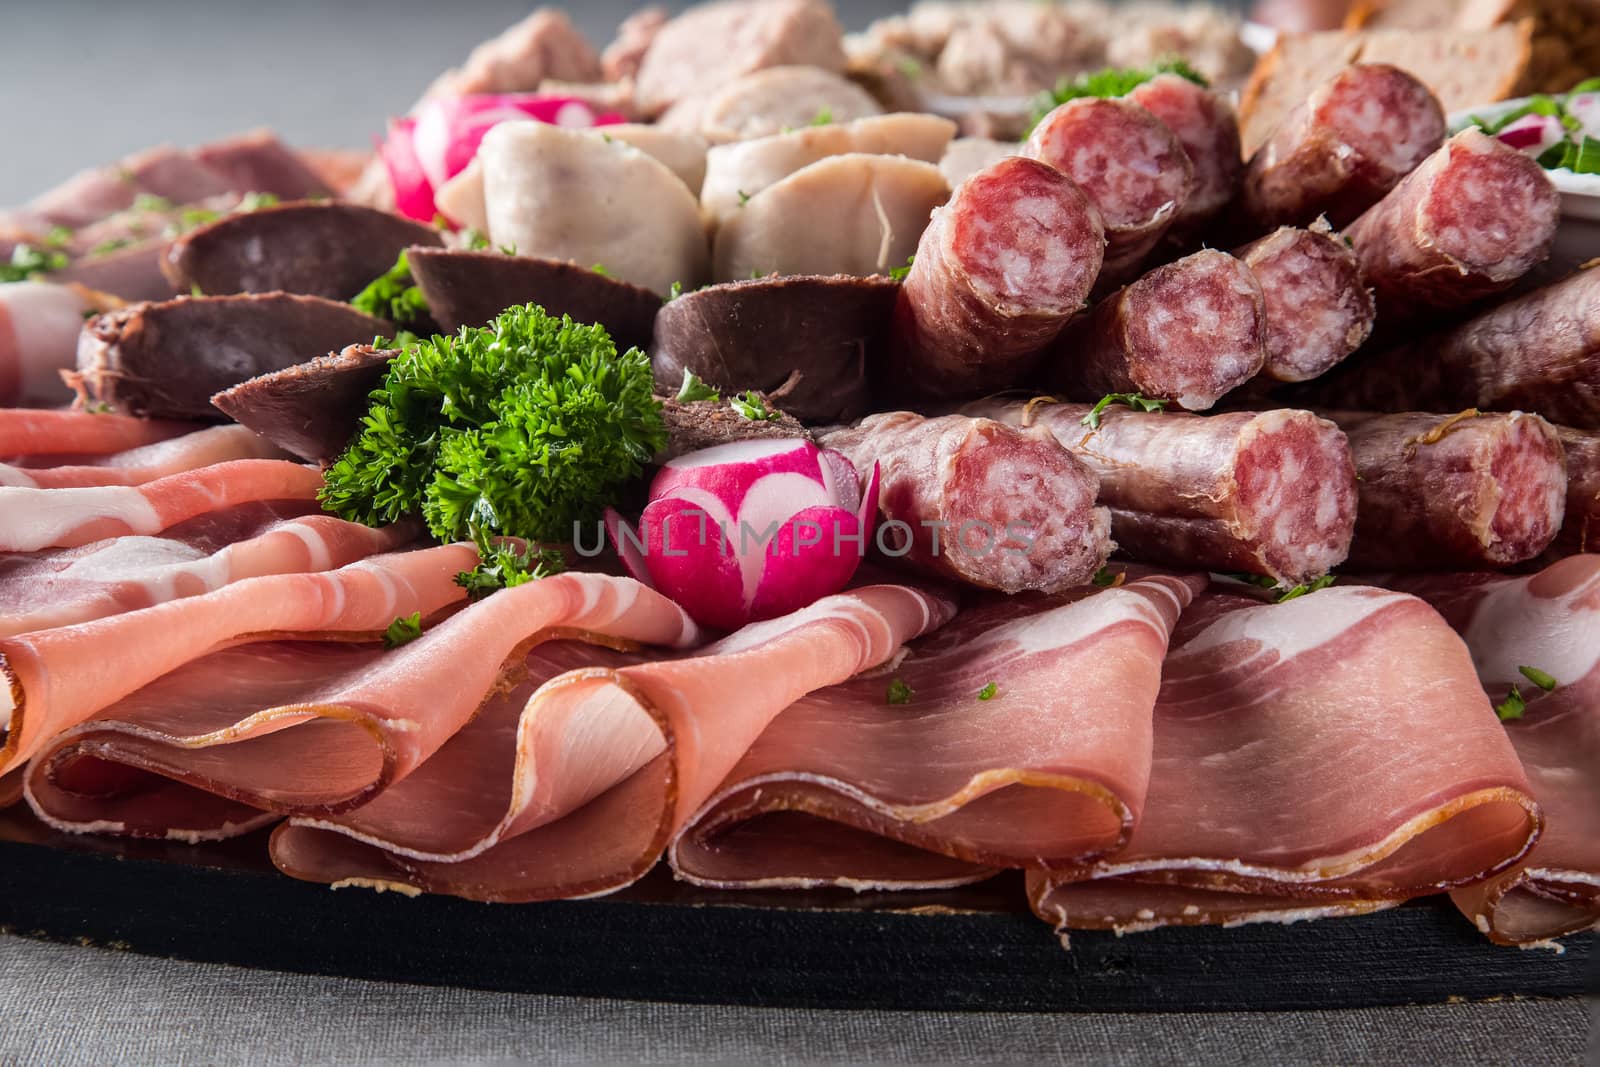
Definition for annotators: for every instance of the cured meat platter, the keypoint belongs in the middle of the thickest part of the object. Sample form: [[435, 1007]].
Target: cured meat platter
[[974, 949]]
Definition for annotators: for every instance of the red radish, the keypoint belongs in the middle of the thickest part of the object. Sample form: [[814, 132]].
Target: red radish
[[1585, 107], [750, 530], [1533, 133], [424, 151]]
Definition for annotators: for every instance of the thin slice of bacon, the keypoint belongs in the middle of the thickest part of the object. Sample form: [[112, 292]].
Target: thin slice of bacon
[[34, 519], [1327, 755], [1549, 622], [612, 760], [58, 678], [1025, 741], [317, 727], [36, 432], [43, 590], [202, 448]]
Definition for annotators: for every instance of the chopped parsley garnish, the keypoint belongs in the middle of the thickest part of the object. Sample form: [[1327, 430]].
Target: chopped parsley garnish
[[1285, 593], [1310, 587], [1137, 401], [515, 429], [151, 202], [58, 237], [393, 295], [823, 117], [403, 630], [509, 250], [27, 261], [988, 691], [474, 240], [900, 692], [744, 198], [693, 389], [674, 292], [503, 566], [600, 269], [257, 201], [1107, 580], [1539, 678], [194, 289], [1112, 81], [752, 406], [899, 273], [108, 246], [1512, 707]]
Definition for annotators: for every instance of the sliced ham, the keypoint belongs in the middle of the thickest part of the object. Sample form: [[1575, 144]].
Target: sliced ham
[[35, 433], [1051, 767], [43, 590], [319, 728], [612, 760], [32, 519], [202, 448], [50, 690], [1549, 621], [1325, 755]]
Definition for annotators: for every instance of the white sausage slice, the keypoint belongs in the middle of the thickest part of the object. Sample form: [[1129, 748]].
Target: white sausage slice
[[782, 98]]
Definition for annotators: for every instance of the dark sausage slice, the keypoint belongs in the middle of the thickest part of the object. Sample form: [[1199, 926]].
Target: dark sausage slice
[[1190, 332], [980, 502], [1133, 168], [311, 409], [1318, 308], [470, 288], [166, 360], [1539, 352], [1467, 223], [1205, 123], [1270, 493], [998, 273], [1454, 492], [808, 342], [1342, 150], [318, 249]]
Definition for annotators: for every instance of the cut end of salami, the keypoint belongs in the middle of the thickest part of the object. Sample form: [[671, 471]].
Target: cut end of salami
[[1318, 308], [1026, 237], [1296, 493], [1206, 125], [1491, 208], [1196, 329], [1525, 497], [1390, 120], [1021, 513]]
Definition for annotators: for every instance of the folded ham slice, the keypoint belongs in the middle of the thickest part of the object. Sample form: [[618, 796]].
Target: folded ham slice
[[317, 727], [35, 432], [33, 519], [611, 761], [58, 678], [1550, 622], [202, 448], [1050, 767], [43, 590], [1326, 755]]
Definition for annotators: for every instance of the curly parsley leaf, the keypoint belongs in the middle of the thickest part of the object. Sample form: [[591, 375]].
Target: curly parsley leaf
[[693, 389], [899, 273], [502, 565], [1512, 707], [1137, 401], [516, 429], [750, 405], [393, 295], [403, 631], [900, 692]]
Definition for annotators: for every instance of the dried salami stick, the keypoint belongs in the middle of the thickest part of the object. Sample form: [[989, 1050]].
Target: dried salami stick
[[1133, 168], [1342, 150], [979, 502], [1581, 530], [1189, 332], [1454, 492], [1270, 493], [1467, 223], [1206, 124], [1318, 308], [998, 273], [1539, 352]]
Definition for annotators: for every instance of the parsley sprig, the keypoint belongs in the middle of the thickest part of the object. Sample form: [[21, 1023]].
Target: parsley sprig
[[393, 295], [1285, 592], [752, 406], [694, 388], [1112, 81], [1137, 401], [403, 631]]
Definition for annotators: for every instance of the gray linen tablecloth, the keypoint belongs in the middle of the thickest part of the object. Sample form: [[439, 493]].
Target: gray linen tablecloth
[[87, 82]]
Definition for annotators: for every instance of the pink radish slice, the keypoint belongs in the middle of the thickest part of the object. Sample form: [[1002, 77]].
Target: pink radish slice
[[1533, 133]]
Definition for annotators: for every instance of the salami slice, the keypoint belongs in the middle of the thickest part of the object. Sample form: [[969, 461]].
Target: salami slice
[[979, 502], [1467, 223], [998, 273], [1539, 352], [1338, 153], [1270, 493], [1133, 168], [1189, 332], [1580, 532], [1206, 124], [1454, 492], [1318, 308]]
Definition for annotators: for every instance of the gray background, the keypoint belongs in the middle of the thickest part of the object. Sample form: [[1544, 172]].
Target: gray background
[[85, 83]]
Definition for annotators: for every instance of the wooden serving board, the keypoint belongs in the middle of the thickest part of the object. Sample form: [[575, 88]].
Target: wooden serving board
[[973, 949]]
